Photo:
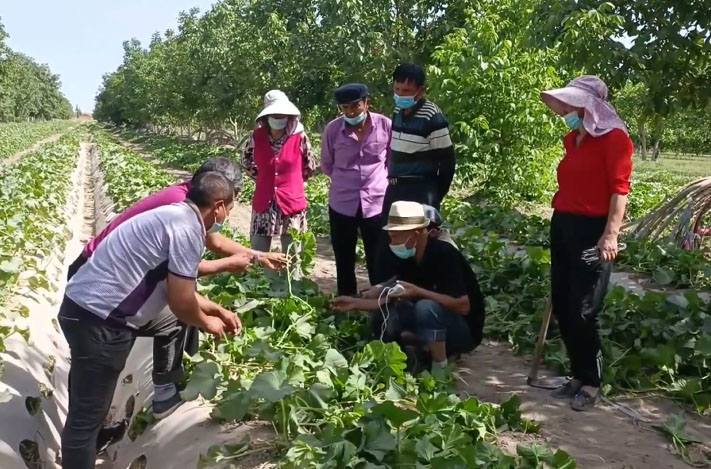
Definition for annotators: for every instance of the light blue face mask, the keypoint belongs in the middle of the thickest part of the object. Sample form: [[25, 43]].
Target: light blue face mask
[[357, 119], [404, 102], [402, 251], [278, 124], [217, 226], [573, 120]]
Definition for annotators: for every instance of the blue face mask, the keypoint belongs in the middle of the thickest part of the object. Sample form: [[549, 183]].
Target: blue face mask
[[573, 120], [402, 251], [278, 124], [217, 226], [357, 119], [404, 102]]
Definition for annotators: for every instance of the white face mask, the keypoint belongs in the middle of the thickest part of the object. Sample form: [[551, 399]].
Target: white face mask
[[278, 124]]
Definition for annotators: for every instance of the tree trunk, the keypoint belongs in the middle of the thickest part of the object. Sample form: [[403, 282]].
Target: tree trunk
[[655, 155], [235, 129], [643, 138]]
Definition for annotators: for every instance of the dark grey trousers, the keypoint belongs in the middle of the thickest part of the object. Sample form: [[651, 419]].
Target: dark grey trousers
[[99, 350]]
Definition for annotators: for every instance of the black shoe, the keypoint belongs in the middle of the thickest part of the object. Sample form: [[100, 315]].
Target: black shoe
[[110, 434], [162, 409], [584, 401], [567, 391]]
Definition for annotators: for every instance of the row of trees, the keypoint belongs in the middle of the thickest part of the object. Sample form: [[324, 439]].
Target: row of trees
[[487, 62], [28, 91]]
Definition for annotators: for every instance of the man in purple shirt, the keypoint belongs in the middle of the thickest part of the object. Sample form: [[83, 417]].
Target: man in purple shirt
[[354, 154]]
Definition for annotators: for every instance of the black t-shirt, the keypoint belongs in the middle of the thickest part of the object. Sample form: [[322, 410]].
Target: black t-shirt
[[446, 271]]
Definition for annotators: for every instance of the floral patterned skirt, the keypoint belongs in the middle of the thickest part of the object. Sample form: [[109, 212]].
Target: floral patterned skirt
[[274, 223]]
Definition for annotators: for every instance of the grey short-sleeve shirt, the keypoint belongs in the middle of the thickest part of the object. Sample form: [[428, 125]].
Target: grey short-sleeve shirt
[[126, 276]]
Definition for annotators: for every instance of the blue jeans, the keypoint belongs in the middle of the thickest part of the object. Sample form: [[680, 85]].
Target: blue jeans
[[428, 320]]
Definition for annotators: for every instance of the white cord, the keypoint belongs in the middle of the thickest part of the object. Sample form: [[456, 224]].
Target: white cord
[[386, 314], [383, 326]]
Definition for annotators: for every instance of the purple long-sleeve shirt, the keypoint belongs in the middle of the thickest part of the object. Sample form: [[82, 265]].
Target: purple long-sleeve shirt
[[358, 169]]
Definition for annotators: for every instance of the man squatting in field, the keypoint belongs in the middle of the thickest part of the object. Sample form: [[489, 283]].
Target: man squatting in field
[[433, 302]]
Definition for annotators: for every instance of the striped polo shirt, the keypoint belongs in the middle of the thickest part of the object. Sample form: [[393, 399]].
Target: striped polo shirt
[[418, 141], [125, 279]]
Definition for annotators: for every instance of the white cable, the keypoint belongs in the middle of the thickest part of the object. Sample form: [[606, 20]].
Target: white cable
[[383, 327], [387, 291]]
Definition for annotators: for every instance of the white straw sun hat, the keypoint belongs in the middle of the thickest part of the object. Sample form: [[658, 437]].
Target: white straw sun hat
[[276, 102], [405, 216]]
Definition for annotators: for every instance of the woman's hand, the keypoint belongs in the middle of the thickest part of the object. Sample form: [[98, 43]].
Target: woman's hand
[[607, 247]]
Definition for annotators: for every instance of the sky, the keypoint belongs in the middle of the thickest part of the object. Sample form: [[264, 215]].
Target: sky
[[81, 40]]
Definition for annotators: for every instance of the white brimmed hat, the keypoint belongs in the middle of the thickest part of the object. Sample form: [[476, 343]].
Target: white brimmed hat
[[405, 216], [276, 102]]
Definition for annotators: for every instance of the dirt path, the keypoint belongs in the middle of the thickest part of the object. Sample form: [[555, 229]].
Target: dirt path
[[35, 146], [603, 438]]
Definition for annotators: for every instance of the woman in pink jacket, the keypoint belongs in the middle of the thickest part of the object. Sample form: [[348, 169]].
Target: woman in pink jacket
[[280, 158]]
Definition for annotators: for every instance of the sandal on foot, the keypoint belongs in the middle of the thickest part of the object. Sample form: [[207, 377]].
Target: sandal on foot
[[567, 391], [584, 401]]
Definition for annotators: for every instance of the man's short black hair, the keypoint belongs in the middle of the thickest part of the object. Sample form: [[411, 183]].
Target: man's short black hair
[[210, 187], [224, 166], [410, 72]]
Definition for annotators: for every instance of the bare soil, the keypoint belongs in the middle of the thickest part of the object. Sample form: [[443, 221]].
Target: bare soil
[[604, 437]]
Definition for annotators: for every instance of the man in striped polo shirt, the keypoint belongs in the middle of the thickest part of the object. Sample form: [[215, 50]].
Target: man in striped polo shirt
[[422, 162]]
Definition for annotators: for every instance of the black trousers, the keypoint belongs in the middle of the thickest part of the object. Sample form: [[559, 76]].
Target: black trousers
[[99, 349], [422, 190], [344, 236], [578, 291]]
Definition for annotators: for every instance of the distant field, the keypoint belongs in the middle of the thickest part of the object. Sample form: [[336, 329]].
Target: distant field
[[687, 166]]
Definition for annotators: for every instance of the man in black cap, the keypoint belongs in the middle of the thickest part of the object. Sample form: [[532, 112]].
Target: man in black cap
[[354, 154]]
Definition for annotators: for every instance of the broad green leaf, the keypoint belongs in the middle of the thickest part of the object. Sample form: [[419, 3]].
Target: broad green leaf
[[378, 440], [203, 381], [395, 415], [334, 361], [232, 407], [272, 386]]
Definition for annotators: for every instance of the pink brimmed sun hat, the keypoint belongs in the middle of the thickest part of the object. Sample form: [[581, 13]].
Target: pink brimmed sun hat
[[590, 93]]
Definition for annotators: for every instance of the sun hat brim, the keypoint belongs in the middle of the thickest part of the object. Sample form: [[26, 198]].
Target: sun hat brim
[[405, 225], [569, 95], [286, 108]]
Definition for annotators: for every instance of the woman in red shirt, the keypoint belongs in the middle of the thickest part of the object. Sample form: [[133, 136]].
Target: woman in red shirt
[[593, 180]]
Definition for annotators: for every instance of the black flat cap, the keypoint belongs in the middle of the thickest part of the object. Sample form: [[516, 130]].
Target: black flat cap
[[351, 92]]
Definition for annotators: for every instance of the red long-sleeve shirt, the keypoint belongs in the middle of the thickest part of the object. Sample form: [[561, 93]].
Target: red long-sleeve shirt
[[591, 173]]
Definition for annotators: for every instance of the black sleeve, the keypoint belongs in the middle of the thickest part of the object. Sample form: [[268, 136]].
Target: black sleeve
[[447, 165], [452, 278]]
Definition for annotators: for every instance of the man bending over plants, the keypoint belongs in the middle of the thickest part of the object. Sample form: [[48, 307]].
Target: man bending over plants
[[236, 259], [434, 301], [122, 291]]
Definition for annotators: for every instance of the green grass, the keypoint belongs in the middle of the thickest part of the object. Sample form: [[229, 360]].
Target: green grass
[[691, 167]]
